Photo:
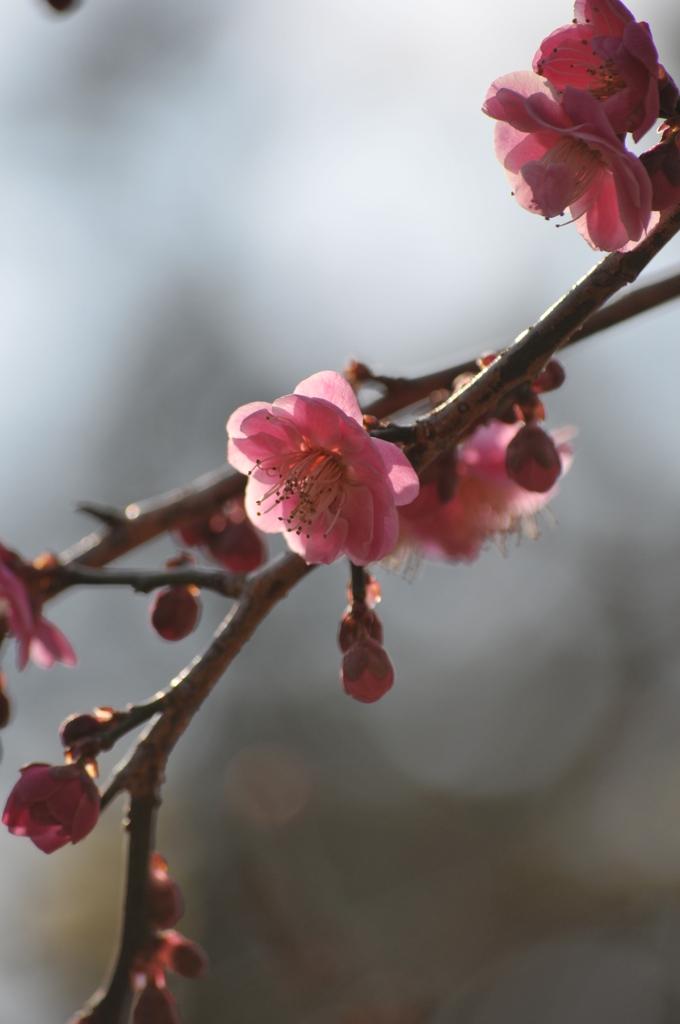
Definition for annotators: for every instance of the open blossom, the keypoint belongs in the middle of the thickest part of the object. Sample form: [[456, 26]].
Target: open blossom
[[317, 476], [52, 805], [662, 164], [606, 51], [36, 637], [559, 155], [463, 502]]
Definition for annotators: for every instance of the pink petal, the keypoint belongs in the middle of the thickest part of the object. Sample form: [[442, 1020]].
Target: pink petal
[[544, 190], [333, 388], [401, 476], [49, 645]]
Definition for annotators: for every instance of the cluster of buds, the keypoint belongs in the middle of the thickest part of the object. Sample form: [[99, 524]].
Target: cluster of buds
[[175, 611], [165, 950], [367, 672], [227, 537]]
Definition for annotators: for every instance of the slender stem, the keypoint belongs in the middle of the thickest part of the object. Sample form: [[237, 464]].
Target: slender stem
[[142, 580], [263, 590], [529, 353], [115, 1004], [145, 520], [403, 391], [358, 582]]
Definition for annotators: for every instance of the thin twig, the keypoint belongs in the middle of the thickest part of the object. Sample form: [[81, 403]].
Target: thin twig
[[229, 584], [401, 392], [144, 520], [529, 353], [263, 589]]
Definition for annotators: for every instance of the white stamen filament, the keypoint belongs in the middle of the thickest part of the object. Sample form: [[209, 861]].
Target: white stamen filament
[[315, 478]]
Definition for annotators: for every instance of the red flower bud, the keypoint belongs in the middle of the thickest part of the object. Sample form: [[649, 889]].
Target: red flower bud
[[156, 1006], [52, 805], [532, 460], [357, 622], [367, 673], [175, 612], [183, 956], [166, 905], [80, 727], [238, 546], [5, 706], [552, 377]]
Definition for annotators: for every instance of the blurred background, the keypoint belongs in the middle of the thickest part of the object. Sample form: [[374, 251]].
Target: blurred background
[[201, 204]]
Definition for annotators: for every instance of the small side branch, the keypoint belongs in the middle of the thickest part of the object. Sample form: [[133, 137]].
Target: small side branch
[[144, 520], [262, 591], [142, 580], [530, 352], [401, 392]]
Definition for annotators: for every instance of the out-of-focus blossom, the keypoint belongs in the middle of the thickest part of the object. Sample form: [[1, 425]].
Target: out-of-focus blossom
[[469, 500], [52, 805], [567, 155], [316, 475], [36, 638], [367, 672], [608, 53], [662, 164]]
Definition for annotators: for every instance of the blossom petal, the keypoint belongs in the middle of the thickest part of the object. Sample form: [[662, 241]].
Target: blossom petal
[[333, 388]]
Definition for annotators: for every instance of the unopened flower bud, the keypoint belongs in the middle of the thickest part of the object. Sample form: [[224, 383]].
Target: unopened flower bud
[[358, 621], [156, 1006], [166, 905], [532, 460], [175, 612], [552, 377], [183, 956], [5, 707], [52, 805], [238, 546], [78, 728], [367, 673]]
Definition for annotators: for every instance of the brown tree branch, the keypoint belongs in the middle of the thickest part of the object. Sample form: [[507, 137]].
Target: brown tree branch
[[401, 392], [229, 584], [144, 520], [527, 356], [263, 589], [112, 1004]]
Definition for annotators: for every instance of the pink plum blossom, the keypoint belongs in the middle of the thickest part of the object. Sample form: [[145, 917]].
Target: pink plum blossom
[[317, 476], [662, 164], [559, 155], [53, 806], [36, 637], [469, 500], [607, 52]]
